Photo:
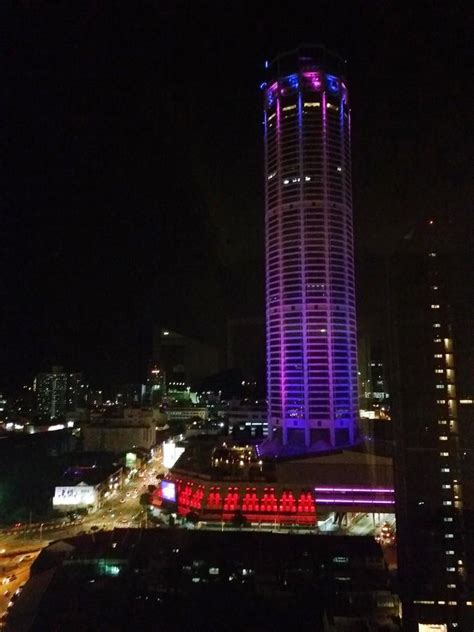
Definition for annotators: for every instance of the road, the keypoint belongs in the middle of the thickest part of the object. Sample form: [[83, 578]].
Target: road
[[19, 549]]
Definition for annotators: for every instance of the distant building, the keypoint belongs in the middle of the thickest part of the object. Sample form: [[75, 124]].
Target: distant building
[[183, 359], [135, 429], [155, 388], [246, 345], [184, 413], [128, 395], [247, 420], [58, 392], [3, 412]]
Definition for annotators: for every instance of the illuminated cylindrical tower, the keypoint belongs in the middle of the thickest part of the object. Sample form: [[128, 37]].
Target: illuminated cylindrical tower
[[310, 298]]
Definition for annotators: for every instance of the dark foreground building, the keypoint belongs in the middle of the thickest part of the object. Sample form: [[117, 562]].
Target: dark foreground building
[[173, 580], [432, 305]]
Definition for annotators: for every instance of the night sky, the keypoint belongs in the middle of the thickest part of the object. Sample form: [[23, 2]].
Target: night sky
[[132, 177]]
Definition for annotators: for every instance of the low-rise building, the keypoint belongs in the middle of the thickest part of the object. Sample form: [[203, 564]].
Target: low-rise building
[[247, 420], [135, 429], [86, 487]]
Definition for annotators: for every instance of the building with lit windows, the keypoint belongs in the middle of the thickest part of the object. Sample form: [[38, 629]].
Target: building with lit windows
[[58, 392], [310, 302], [432, 311]]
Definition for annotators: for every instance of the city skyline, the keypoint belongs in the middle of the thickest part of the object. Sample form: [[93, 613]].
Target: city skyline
[[194, 201]]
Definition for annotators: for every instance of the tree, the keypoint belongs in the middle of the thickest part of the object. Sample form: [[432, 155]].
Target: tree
[[239, 520], [145, 499], [192, 517]]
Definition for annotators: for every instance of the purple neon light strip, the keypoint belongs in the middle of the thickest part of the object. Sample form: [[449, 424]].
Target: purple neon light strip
[[362, 501], [366, 490]]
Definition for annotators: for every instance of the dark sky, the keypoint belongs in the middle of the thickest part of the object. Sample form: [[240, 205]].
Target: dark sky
[[131, 180]]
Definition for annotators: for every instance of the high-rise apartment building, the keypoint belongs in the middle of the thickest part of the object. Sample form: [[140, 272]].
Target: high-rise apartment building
[[432, 310], [310, 302], [57, 392]]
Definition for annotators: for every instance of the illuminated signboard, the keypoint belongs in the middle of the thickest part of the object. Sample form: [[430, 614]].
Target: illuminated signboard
[[171, 453], [80, 495], [432, 627], [130, 460], [168, 490]]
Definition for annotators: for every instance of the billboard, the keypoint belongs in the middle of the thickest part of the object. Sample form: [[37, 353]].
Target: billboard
[[77, 496], [432, 627], [171, 453], [168, 491]]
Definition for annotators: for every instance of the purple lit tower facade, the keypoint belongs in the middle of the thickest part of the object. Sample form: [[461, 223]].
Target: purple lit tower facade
[[310, 297]]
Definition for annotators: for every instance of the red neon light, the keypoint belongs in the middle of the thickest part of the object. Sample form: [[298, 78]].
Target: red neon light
[[256, 504]]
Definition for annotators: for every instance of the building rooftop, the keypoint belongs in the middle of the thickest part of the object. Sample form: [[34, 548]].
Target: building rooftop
[[193, 580]]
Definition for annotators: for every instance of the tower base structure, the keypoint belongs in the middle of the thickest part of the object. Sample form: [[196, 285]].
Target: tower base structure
[[285, 442]]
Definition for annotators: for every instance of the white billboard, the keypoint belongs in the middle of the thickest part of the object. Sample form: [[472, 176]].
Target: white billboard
[[77, 496], [171, 453]]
